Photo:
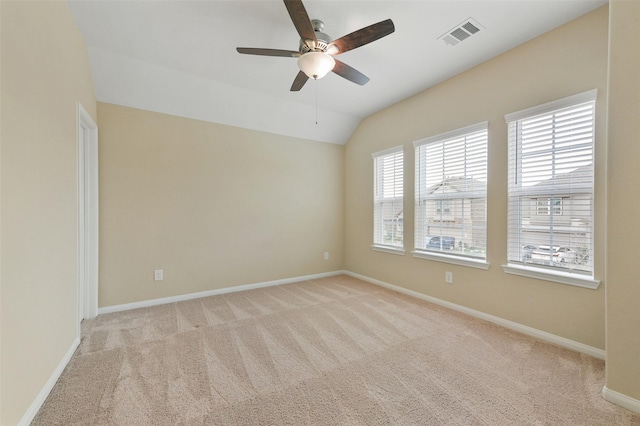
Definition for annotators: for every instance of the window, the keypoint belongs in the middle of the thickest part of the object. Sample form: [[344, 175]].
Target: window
[[550, 186], [443, 206], [388, 207], [547, 206], [451, 196]]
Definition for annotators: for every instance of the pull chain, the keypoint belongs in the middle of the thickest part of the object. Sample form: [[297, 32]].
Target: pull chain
[[316, 101]]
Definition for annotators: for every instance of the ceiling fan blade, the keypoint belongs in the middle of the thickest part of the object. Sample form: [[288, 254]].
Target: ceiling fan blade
[[268, 52], [299, 81], [350, 73], [301, 20], [363, 36]]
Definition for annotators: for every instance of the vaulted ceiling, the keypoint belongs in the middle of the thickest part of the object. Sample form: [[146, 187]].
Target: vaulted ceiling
[[179, 57]]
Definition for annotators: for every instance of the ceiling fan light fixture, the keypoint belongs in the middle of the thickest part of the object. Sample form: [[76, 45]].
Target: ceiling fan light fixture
[[316, 64], [316, 50]]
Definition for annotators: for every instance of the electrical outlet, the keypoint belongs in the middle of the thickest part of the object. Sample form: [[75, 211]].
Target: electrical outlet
[[448, 277], [158, 275], [326, 255]]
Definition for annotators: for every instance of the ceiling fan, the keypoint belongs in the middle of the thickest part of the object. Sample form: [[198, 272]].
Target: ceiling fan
[[316, 52]]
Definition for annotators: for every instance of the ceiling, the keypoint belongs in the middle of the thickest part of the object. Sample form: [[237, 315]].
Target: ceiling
[[178, 57]]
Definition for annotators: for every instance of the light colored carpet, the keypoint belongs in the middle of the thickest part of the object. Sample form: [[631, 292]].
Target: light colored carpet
[[334, 351]]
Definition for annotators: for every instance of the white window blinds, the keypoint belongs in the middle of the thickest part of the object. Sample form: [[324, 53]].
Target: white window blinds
[[388, 207], [550, 218], [451, 193]]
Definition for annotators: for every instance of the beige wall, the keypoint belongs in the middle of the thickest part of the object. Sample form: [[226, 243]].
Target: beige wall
[[623, 288], [214, 206], [45, 70], [563, 62]]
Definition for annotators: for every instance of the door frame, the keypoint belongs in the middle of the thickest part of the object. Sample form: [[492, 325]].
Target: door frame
[[87, 165]]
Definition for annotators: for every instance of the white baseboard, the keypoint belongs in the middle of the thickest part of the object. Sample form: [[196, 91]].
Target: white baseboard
[[189, 296], [44, 393], [530, 331], [621, 399]]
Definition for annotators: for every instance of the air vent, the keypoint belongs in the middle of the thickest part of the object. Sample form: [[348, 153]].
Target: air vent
[[461, 32]]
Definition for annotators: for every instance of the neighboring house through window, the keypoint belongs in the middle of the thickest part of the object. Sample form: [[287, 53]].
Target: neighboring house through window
[[388, 201], [551, 186], [451, 196]]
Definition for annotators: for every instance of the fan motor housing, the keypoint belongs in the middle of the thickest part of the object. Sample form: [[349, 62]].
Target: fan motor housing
[[323, 39]]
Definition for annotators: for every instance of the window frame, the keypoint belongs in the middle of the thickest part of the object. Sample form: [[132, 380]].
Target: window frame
[[420, 197], [552, 272], [378, 200]]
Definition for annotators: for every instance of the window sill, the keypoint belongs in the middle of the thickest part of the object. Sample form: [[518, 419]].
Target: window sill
[[456, 260], [554, 276], [389, 249]]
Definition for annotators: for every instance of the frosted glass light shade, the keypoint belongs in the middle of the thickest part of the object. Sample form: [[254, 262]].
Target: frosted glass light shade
[[316, 64]]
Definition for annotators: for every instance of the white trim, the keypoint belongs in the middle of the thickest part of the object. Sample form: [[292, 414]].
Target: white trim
[[216, 292], [35, 406], [484, 125], [554, 276], [588, 96], [81, 262], [387, 249], [87, 172], [389, 151], [455, 260], [621, 399], [530, 331]]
